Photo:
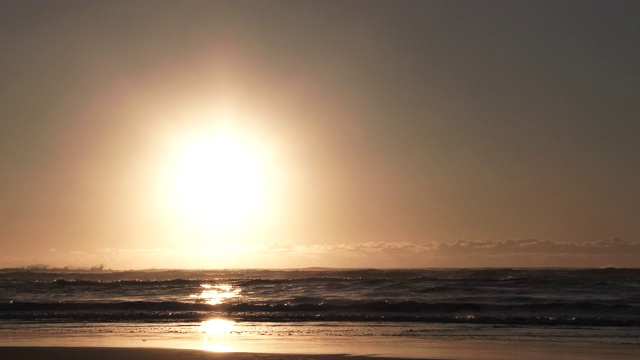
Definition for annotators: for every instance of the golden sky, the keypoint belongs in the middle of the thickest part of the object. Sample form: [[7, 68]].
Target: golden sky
[[217, 134]]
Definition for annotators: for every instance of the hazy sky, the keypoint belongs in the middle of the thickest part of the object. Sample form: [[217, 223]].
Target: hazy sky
[[391, 133]]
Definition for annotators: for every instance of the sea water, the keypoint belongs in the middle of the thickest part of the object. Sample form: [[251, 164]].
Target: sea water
[[590, 305]]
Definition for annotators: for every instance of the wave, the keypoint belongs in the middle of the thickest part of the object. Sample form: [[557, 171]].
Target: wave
[[379, 312], [174, 282], [598, 297], [410, 307], [490, 274]]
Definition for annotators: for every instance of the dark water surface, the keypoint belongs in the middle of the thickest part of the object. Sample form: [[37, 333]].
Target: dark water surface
[[412, 302]]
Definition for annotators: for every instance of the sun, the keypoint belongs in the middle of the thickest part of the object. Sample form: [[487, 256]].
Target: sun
[[219, 179]]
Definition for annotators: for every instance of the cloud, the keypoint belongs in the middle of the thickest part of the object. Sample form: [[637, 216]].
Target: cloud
[[537, 252], [362, 247], [534, 246], [288, 254]]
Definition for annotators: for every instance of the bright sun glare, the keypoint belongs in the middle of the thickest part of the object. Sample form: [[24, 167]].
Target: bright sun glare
[[219, 179], [217, 326]]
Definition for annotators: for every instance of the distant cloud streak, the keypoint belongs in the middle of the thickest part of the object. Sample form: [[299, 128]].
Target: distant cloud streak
[[614, 252]]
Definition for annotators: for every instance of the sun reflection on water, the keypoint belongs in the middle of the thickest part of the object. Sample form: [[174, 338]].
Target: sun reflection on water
[[216, 329], [217, 326], [216, 294]]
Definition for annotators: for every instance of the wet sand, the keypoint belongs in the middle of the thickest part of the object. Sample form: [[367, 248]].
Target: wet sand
[[440, 350], [29, 345], [93, 353]]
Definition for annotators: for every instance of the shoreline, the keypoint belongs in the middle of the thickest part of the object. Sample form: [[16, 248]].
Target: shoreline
[[295, 348], [127, 353]]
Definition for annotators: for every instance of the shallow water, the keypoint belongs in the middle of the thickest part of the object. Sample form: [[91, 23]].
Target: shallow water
[[595, 305]]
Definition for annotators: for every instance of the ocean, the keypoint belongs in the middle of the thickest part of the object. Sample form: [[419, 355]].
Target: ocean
[[591, 305]]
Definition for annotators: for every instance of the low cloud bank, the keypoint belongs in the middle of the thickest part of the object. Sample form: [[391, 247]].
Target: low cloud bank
[[612, 252]]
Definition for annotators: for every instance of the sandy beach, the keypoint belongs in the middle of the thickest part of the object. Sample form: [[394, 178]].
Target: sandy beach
[[66, 353], [356, 350]]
